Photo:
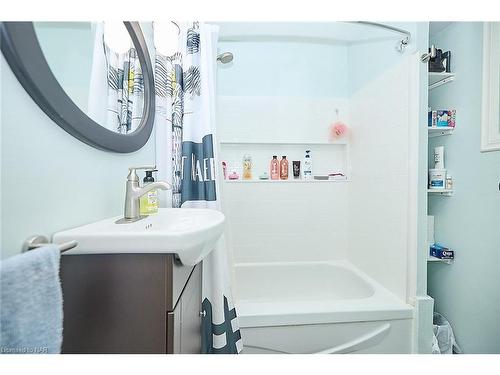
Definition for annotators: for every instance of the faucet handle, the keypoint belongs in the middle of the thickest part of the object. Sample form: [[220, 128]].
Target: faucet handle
[[132, 175]]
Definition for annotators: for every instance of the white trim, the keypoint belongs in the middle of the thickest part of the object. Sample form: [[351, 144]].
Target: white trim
[[490, 124]]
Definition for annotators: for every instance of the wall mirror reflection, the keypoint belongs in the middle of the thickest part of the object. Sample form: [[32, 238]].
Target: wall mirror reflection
[[97, 66]]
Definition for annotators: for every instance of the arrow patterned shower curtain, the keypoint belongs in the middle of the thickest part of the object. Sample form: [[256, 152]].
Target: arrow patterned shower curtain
[[186, 156]]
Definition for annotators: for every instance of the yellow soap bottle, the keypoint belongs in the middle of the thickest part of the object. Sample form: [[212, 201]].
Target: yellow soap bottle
[[149, 201]]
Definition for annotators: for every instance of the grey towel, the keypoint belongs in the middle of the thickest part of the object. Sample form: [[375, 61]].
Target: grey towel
[[31, 311]]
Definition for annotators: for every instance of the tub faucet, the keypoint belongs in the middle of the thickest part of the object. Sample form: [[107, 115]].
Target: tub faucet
[[134, 192]]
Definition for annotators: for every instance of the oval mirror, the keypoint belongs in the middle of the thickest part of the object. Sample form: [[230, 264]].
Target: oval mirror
[[94, 79]]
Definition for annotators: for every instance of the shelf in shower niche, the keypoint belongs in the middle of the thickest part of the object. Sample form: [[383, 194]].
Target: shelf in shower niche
[[444, 192], [291, 181], [437, 131], [434, 259], [439, 79], [299, 143]]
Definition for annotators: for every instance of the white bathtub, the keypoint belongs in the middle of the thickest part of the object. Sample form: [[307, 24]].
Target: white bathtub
[[318, 307]]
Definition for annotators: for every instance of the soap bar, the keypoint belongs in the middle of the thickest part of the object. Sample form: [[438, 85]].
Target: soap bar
[[441, 252]]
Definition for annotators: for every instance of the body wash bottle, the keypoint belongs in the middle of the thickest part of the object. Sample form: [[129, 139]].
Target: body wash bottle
[[274, 168], [284, 168], [247, 167], [307, 169], [149, 201]]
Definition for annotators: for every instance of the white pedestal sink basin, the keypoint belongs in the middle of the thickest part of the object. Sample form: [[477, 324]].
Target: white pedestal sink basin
[[191, 233]]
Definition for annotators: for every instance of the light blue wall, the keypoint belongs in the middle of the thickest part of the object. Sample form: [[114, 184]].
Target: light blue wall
[[283, 68], [468, 291], [49, 180], [71, 66]]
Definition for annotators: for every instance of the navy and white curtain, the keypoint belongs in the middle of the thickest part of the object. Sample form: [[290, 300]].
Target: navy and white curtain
[[186, 156], [116, 82]]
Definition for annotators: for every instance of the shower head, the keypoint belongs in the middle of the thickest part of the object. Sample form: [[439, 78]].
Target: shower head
[[225, 57]]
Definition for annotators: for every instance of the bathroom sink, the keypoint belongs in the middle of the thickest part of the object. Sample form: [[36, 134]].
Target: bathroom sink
[[191, 233]]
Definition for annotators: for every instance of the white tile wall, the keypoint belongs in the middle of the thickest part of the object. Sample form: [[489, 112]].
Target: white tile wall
[[277, 117], [283, 221], [378, 195], [286, 222]]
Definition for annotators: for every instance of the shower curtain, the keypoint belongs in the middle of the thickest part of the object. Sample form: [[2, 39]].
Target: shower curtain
[[186, 156], [116, 79]]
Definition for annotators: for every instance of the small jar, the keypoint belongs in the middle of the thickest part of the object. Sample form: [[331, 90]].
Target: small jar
[[247, 167], [449, 182]]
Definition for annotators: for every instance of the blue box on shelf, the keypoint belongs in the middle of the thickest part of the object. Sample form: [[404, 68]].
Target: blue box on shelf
[[441, 252]]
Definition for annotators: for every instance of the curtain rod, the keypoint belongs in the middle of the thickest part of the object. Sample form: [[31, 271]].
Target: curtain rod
[[405, 33]]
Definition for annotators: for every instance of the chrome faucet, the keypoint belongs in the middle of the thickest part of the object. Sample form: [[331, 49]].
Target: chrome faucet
[[134, 192]]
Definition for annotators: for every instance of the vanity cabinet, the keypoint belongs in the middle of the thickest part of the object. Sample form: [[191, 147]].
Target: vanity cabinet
[[130, 303]]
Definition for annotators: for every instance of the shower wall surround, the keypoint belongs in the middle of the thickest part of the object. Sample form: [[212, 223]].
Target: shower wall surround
[[378, 192], [280, 91]]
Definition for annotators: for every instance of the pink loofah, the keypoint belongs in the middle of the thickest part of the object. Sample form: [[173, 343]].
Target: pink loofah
[[338, 129]]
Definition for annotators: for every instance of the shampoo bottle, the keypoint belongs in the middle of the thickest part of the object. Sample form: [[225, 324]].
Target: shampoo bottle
[[274, 168], [149, 201], [284, 168], [307, 169]]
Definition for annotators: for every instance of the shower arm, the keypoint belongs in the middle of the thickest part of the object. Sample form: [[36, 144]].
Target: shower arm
[[404, 33], [427, 56]]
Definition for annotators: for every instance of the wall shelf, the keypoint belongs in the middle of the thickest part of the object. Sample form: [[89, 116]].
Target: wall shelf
[[439, 79], [437, 260], [314, 143], [437, 131], [290, 181], [443, 192]]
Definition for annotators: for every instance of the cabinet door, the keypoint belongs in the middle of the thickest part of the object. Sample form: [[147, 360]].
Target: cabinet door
[[115, 303], [184, 322]]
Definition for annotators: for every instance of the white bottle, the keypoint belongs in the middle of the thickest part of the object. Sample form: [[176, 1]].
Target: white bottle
[[307, 169], [439, 157]]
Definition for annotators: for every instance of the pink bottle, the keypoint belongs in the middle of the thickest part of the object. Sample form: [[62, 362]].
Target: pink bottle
[[275, 168]]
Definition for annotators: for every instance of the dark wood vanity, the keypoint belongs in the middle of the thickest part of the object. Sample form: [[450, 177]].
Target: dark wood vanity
[[130, 303]]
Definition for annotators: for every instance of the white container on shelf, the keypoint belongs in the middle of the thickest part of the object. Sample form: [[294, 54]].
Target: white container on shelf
[[437, 178]]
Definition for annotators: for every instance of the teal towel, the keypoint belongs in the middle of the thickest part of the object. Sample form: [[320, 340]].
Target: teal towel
[[31, 310]]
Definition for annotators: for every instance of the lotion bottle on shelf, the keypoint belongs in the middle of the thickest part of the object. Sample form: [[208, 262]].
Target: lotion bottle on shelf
[[274, 168], [307, 169], [284, 168]]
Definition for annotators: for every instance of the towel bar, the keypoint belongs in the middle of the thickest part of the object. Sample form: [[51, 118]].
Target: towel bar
[[34, 242]]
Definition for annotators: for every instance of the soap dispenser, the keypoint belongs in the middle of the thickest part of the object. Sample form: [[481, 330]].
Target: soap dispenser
[[149, 201]]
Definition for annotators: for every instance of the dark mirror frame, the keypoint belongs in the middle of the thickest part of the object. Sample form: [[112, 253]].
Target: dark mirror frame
[[19, 45]]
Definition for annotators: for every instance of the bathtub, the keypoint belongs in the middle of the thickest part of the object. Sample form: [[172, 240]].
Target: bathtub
[[318, 307]]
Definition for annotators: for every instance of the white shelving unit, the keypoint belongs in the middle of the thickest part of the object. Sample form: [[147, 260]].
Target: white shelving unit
[[439, 79], [437, 260], [436, 80], [443, 192], [437, 131]]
